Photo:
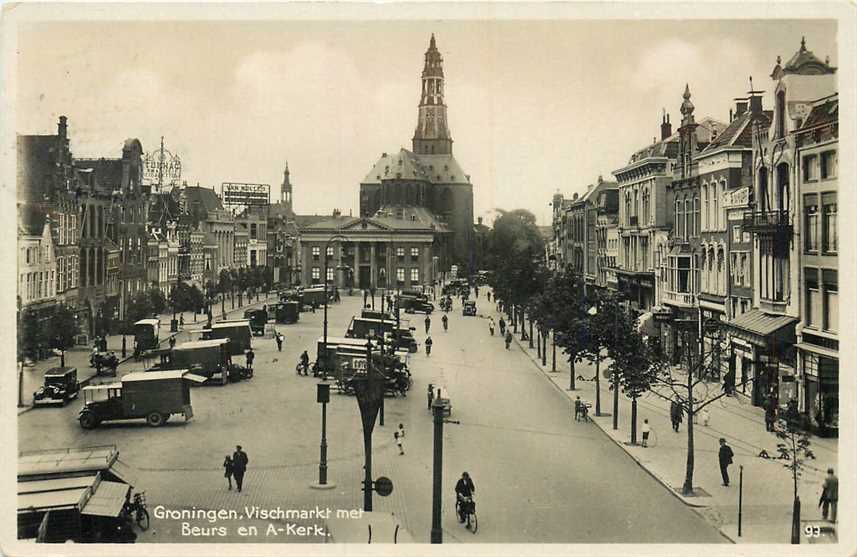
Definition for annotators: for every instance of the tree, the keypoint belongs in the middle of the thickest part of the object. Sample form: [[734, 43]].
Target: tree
[[137, 307], [563, 309], [689, 388], [516, 254], [634, 366], [794, 449], [157, 300], [225, 284], [30, 336], [596, 336], [61, 328]]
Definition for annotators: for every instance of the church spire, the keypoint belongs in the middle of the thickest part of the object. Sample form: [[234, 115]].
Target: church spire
[[432, 135], [286, 188]]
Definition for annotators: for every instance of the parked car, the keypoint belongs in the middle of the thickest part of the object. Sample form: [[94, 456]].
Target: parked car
[[286, 311], [258, 319], [153, 395], [206, 358], [60, 386], [469, 308], [415, 305]]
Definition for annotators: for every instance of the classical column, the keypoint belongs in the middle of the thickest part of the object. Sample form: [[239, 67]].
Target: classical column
[[372, 272], [356, 274]]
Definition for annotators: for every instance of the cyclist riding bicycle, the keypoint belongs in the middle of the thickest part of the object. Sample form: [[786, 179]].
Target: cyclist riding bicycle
[[464, 490], [305, 362]]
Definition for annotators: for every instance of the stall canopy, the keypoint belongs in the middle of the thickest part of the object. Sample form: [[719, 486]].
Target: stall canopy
[[760, 328], [108, 499]]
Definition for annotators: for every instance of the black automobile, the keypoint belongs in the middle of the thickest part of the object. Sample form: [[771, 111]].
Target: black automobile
[[415, 305], [469, 308], [59, 387]]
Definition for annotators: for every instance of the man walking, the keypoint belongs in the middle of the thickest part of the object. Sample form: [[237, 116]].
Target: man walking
[[508, 339], [830, 495], [675, 415], [577, 404], [430, 395], [428, 323], [445, 321], [250, 357], [279, 338], [502, 324], [428, 343], [770, 415], [491, 325], [725, 457], [239, 466]]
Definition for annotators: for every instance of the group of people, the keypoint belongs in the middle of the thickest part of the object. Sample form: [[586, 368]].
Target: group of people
[[235, 466]]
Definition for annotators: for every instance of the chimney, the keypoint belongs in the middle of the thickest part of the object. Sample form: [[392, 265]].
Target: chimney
[[62, 127], [666, 127], [756, 102], [740, 107]]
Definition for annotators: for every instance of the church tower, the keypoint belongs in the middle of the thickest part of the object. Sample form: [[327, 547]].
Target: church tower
[[432, 135], [286, 189]]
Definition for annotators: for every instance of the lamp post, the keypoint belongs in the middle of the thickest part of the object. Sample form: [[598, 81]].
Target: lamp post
[[323, 397], [593, 311], [337, 237], [437, 475]]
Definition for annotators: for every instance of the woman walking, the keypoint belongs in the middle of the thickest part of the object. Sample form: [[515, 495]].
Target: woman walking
[[228, 467]]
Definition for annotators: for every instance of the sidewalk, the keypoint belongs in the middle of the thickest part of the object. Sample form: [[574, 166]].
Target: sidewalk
[[767, 484], [79, 357]]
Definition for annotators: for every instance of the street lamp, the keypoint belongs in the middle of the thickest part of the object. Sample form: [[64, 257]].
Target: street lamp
[[593, 311], [338, 237], [437, 476], [323, 397]]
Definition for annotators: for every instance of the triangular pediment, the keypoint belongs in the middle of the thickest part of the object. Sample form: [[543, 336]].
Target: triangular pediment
[[365, 224]]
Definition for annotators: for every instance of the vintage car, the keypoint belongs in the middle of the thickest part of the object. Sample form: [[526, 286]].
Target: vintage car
[[104, 362], [60, 386], [469, 308], [410, 304], [146, 333], [286, 311], [207, 358], [153, 395]]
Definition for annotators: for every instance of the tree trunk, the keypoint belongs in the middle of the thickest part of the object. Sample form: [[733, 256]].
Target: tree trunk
[[687, 488], [597, 387], [615, 401], [571, 386], [515, 319], [553, 357], [634, 421], [539, 345], [531, 331], [544, 349]]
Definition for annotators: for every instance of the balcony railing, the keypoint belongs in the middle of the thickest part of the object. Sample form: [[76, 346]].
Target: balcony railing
[[767, 221], [685, 298]]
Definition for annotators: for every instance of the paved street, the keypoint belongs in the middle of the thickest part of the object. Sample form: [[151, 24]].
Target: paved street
[[540, 477]]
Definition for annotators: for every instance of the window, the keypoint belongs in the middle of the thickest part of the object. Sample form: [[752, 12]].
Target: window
[[316, 253], [696, 224], [415, 254], [678, 218], [329, 252], [400, 275], [400, 253], [316, 273], [831, 300], [810, 218], [415, 276], [706, 218], [813, 298], [810, 168], [330, 272], [715, 215], [829, 238], [688, 219], [781, 114], [828, 165], [736, 234]]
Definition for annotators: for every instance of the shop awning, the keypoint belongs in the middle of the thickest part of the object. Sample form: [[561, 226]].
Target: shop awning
[[108, 499], [760, 328]]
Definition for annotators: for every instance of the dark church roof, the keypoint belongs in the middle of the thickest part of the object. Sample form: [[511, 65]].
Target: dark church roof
[[740, 130], [406, 165], [204, 198], [108, 172], [36, 165]]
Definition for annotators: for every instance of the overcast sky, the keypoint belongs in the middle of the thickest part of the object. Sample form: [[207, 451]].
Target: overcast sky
[[533, 106]]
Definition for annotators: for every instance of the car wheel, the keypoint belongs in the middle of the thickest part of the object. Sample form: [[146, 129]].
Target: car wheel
[[155, 419], [88, 420]]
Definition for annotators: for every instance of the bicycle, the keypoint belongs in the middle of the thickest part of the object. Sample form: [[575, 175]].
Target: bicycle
[[584, 416], [135, 511], [467, 512]]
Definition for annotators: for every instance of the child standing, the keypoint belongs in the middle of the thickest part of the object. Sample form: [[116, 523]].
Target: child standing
[[227, 467], [646, 429]]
